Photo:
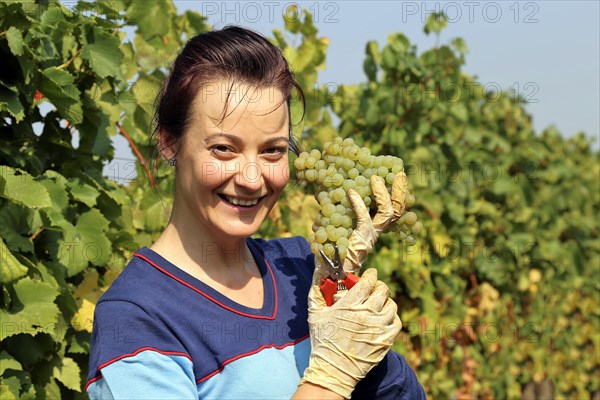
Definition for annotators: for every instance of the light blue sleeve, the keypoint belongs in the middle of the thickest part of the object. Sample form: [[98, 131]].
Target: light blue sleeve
[[147, 375]]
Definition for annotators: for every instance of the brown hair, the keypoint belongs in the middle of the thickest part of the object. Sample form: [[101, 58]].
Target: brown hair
[[234, 54]]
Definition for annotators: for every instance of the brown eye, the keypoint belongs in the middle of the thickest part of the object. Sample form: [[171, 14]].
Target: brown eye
[[221, 150], [275, 151]]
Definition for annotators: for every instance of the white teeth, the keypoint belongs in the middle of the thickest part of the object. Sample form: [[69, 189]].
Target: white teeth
[[235, 201]]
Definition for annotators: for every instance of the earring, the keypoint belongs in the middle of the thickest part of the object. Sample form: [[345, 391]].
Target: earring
[[172, 162]]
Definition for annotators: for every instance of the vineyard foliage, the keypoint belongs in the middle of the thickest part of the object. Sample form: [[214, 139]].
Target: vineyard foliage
[[500, 291]]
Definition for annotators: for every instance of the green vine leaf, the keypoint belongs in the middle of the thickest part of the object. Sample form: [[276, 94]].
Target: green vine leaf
[[84, 243], [33, 310], [15, 41], [9, 101], [59, 87], [103, 52], [20, 187]]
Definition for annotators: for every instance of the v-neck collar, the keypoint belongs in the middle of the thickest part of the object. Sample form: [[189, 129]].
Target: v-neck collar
[[269, 307]]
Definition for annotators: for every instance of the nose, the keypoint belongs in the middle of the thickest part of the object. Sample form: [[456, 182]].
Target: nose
[[250, 175]]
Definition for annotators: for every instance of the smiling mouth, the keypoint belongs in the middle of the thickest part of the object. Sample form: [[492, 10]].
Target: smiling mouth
[[240, 203]]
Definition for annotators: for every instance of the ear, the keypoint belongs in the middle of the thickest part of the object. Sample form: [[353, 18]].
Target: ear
[[167, 145]]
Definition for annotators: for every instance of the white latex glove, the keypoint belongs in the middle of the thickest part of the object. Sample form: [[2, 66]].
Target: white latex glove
[[352, 336], [367, 231]]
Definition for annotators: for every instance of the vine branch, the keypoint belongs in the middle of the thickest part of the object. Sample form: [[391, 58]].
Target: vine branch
[[68, 62], [137, 154]]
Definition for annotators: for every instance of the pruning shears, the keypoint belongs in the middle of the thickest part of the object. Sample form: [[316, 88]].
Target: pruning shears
[[337, 279]]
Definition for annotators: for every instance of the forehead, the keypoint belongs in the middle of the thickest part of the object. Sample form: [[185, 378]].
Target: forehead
[[229, 104]]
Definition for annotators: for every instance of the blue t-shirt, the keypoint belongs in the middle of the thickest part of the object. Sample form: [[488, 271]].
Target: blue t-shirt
[[160, 333]]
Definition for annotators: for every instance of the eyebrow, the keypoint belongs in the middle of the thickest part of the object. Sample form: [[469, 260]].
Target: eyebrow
[[237, 140]]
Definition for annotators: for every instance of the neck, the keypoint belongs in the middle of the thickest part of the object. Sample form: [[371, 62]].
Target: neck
[[184, 241]]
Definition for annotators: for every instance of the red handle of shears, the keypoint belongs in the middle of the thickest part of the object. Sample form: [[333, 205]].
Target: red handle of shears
[[329, 286]]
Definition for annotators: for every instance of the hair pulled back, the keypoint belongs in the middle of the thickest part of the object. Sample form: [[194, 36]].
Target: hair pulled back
[[233, 54]]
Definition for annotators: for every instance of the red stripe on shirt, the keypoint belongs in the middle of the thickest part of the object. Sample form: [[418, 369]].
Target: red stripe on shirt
[[271, 317], [261, 348], [135, 353]]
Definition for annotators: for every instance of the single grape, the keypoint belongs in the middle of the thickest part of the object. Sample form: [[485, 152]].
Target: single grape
[[346, 221], [349, 184], [314, 248], [328, 210], [382, 171], [410, 218], [334, 149], [389, 179], [343, 242], [361, 181], [364, 159], [417, 227], [338, 194], [311, 175], [321, 235], [300, 163], [336, 219], [341, 232], [332, 235], [388, 161], [329, 250], [316, 154], [337, 180]]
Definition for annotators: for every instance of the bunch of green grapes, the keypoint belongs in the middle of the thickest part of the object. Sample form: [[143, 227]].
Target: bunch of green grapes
[[341, 166]]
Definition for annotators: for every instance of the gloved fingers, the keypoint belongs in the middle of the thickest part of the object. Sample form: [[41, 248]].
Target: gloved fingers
[[363, 237], [389, 312], [316, 301], [385, 211], [379, 297], [359, 248], [361, 291], [399, 193], [360, 209]]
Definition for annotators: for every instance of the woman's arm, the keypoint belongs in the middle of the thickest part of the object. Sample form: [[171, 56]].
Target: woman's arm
[[310, 391]]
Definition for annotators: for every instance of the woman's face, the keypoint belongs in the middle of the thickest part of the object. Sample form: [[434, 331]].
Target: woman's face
[[231, 171]]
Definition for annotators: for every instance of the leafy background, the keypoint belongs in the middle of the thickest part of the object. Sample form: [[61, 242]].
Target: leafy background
[[499, 298]]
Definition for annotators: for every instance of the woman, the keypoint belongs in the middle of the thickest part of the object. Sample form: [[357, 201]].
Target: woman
[[207, 311]]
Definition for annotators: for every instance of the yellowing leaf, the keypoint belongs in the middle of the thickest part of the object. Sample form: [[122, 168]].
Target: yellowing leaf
[[442, 243], [68, 374], [10, 267]]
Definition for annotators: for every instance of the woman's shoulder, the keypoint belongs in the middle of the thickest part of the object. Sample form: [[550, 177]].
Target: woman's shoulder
[[290, 255], [136, 281]]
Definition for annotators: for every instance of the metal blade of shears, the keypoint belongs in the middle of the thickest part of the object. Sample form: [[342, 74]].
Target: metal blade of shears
[[334, 268]]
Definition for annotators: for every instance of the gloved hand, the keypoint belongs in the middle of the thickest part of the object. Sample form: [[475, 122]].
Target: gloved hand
[[352, 336], [367, 231]]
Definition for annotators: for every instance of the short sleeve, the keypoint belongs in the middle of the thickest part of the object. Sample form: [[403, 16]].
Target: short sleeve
[[391, 379], [133, 356]]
